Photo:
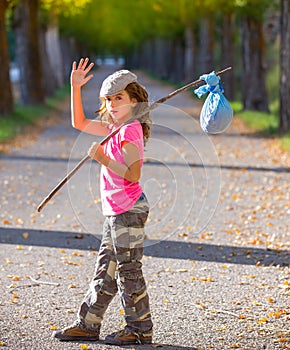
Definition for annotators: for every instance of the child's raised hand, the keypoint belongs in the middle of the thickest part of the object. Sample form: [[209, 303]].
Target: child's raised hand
[[79, 72]]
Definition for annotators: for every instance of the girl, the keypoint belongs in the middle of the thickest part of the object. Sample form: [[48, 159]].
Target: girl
[[124, 205]]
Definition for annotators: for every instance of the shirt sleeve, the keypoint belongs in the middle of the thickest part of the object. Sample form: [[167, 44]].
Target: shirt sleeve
[[132, 133]]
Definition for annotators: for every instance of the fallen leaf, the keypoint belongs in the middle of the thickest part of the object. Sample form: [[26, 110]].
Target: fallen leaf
[[25, 235], [84, 347], [6, 222], [77, 254], [206, 279], [271, 300], [262, 320], [19, 221]]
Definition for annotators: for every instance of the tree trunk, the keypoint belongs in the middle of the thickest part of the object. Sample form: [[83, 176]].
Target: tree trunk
[[69, 54], [284, 122], [28, 53], [177, 60], [161, 57], [206, 45], [254, 94], [227, 53], [6, 96], [147, 56], [47, 69], [54, 51], [190, 54]]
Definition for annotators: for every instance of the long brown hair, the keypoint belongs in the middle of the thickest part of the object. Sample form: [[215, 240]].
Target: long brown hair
[[138, 92]]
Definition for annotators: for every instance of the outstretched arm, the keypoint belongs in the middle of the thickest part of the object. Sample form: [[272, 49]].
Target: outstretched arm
[[79, 78]]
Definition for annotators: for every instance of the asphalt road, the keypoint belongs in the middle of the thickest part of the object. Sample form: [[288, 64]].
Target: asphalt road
[[217, 249]]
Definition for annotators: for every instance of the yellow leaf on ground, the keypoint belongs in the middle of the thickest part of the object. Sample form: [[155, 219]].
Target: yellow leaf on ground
[[262, 320], [25, 235], [84, 347], [206, 279]]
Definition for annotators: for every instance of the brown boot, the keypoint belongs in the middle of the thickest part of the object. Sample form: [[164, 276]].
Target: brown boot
[[76, 332], [128, 337]]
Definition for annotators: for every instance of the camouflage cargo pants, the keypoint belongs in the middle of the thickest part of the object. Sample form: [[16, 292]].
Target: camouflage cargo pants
[[119, 268]]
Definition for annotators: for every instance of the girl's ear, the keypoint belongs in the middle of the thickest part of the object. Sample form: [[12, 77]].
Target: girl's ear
[[134, 102]]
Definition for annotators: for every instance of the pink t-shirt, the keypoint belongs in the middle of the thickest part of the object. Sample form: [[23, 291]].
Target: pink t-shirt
[[118, 194]]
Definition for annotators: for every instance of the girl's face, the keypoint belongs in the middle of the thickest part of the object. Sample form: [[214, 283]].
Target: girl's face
[[120, 106]]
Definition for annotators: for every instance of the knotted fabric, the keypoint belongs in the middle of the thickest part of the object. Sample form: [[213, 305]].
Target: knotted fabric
[[216, 113]]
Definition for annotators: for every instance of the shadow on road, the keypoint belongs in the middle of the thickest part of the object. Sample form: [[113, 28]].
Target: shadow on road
[[152, 346], [159, 249], [152, 163]]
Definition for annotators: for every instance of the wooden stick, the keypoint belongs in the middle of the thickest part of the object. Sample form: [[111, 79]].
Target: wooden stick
[[83, 161], [71, 173]]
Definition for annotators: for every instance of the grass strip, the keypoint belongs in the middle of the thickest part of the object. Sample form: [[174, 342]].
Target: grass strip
[[267, 124], [13, 123]]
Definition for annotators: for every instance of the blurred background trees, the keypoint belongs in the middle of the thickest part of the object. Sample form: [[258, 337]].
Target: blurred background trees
[[174, 40]]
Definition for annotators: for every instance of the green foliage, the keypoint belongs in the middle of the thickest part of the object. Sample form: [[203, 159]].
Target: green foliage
[[266, 123], [12, 124], [254, 8], [66, 7], [285, 141], [119, 26], [273, 75]]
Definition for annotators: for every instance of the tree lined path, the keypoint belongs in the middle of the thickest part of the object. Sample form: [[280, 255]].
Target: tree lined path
[[217, 249]]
